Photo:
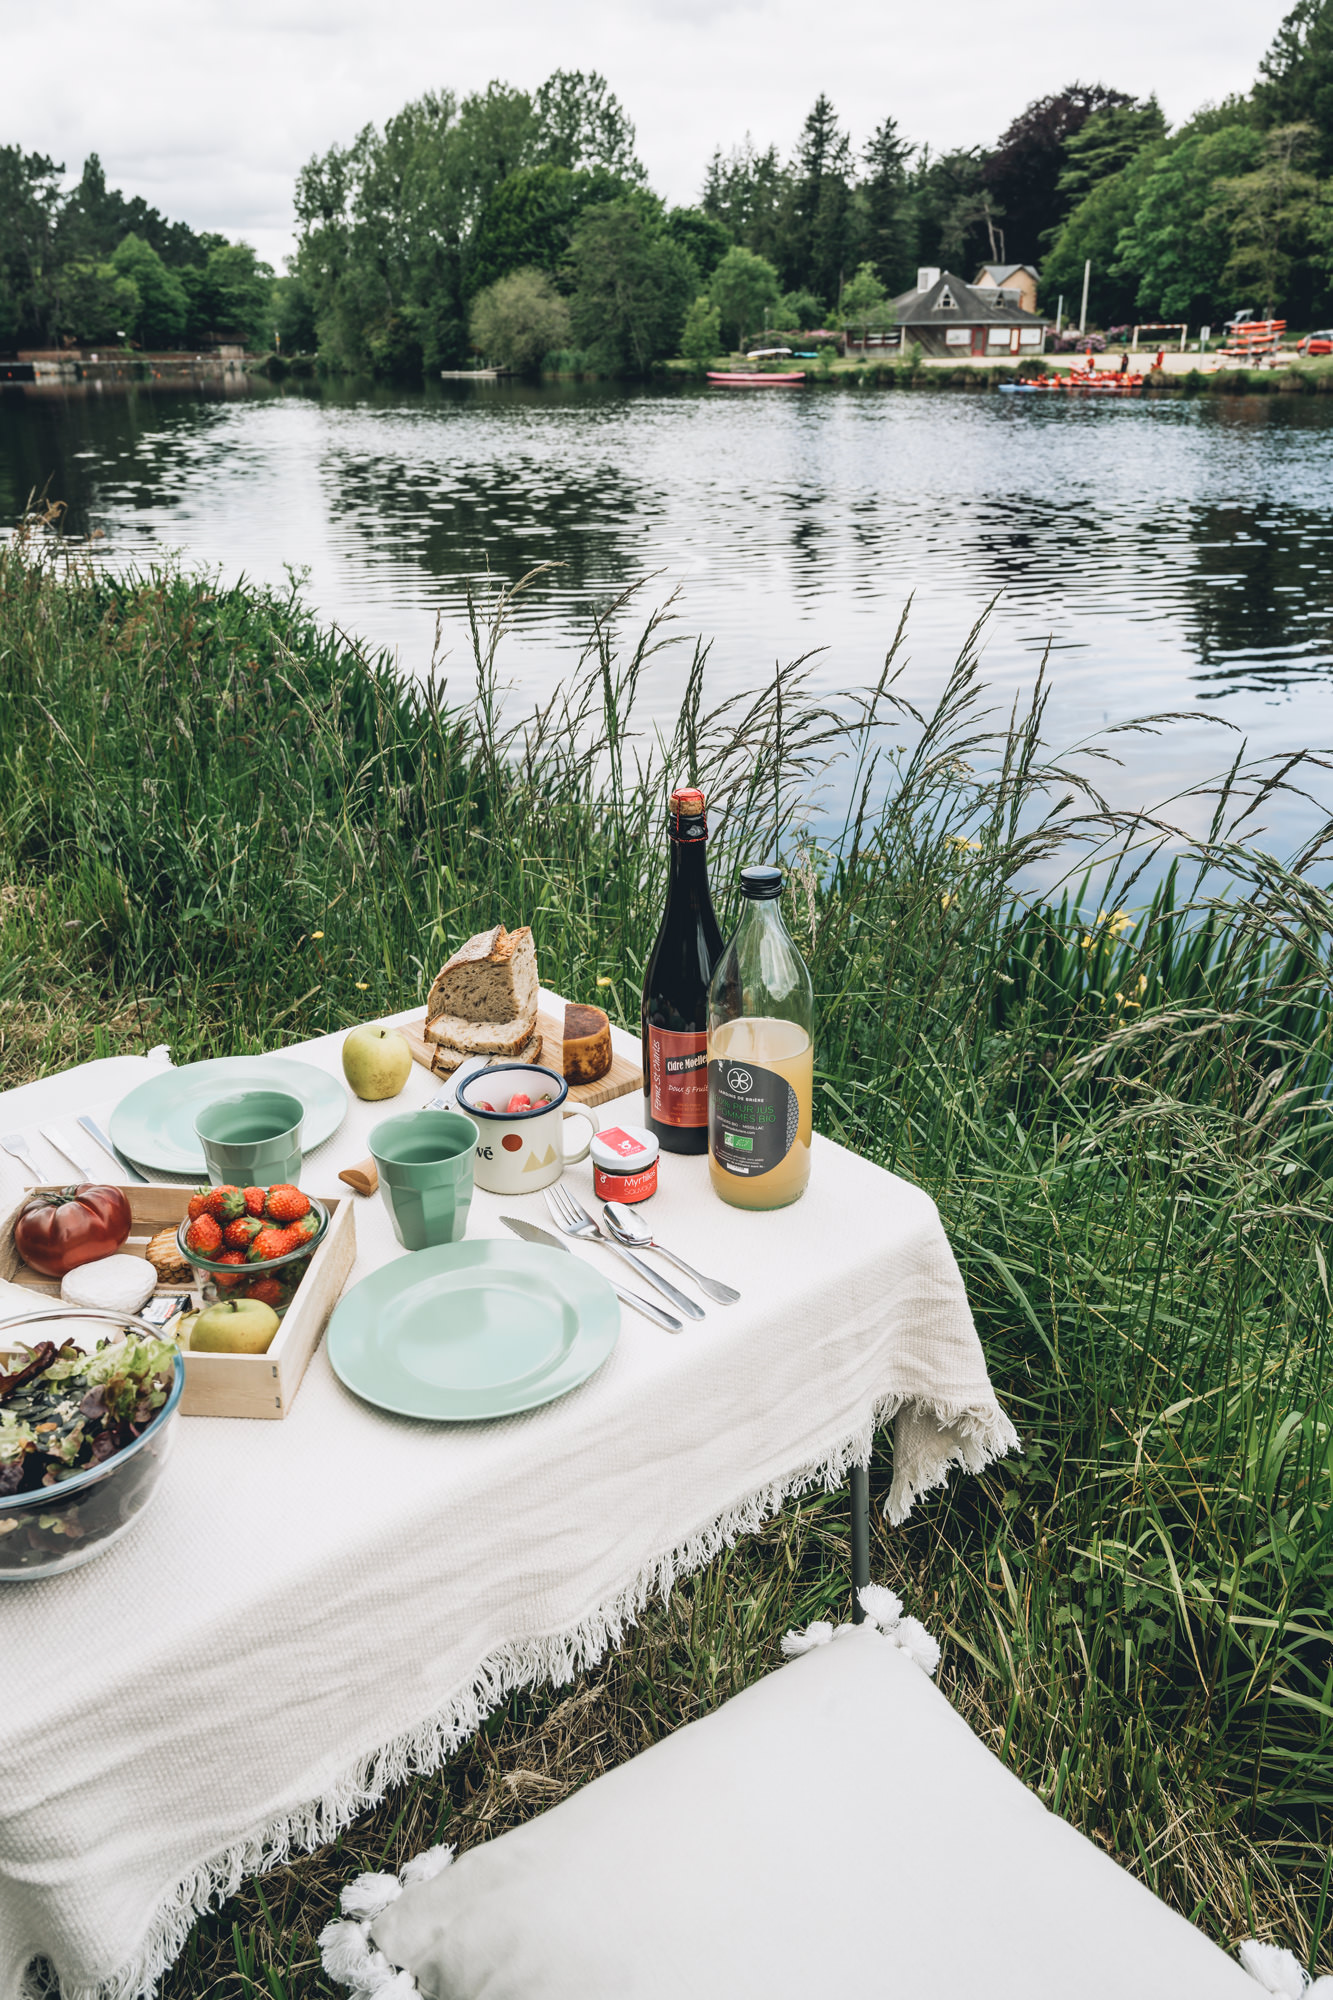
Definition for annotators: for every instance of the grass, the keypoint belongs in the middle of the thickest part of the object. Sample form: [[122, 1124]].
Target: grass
[[222, 826]]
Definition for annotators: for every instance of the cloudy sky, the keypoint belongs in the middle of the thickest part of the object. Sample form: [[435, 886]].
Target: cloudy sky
[[208, 109]]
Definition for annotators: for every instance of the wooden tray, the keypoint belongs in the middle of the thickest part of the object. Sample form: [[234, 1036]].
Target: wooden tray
[[624, 1075], [224, 1385]]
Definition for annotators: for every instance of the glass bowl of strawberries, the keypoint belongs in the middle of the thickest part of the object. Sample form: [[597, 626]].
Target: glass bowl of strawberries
[[251, 1243]]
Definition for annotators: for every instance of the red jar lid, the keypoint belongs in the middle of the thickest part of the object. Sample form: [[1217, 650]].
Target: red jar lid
[[624, 1149]]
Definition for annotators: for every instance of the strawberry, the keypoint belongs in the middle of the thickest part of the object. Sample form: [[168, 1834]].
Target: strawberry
[[240, 1234], [226, 1203], [204, 1236], [307, 1227], [269, 1243], [286, 1204], [254, 1200], [199, 1201], [267, 1290], [229, 1257]]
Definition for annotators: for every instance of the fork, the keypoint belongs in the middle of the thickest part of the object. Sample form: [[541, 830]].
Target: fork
[[573, 1220], [15, 1143]]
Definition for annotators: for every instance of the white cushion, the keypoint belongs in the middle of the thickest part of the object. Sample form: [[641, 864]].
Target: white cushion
[[835, 1829]]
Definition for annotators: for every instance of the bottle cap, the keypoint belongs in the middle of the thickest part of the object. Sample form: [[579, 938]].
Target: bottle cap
[[624, 1149], [686, 813], [761, 885]]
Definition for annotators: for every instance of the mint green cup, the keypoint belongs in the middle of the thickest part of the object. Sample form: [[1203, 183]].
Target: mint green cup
[[252, 1139], [424, 1159]]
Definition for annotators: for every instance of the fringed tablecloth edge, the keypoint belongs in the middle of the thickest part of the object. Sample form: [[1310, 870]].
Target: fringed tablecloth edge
[[970, 1435]]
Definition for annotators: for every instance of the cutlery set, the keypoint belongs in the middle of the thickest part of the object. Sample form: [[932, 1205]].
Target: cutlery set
[[69, 1148], [624, 1228]]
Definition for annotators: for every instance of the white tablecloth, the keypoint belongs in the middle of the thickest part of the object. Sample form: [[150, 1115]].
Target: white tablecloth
[[314, 1608]]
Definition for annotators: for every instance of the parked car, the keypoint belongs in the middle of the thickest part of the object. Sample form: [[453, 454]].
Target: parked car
[[1316, 343]]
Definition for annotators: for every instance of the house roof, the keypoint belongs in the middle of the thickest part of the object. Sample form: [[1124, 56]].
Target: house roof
[[950, 302], [1000, 274]]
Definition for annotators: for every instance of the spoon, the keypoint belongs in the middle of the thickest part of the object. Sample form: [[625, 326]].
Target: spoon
[[627, 1227]]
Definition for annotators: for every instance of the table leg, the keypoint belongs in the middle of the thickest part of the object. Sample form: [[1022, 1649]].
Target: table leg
[[859, 1487]]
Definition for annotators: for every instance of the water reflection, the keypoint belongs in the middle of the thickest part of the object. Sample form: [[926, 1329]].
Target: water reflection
[[1173, 556]]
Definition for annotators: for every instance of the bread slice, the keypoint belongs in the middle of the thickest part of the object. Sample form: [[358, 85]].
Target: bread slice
[[493, 977], [445, 1058], [481, 1038], [586, 1053]]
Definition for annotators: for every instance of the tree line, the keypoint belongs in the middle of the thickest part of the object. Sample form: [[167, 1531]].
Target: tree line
[[520, 226], [88, 265]]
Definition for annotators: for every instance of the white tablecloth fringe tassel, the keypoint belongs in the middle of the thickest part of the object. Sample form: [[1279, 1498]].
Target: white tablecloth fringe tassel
[[929, 1440]]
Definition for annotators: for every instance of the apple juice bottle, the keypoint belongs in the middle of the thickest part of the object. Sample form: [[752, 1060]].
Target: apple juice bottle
[[761, 1056]]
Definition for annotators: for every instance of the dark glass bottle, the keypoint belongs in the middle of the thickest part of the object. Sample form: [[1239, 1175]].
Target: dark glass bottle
[[675, 989]]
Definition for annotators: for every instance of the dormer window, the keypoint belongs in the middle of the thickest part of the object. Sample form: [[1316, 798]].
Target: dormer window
[[946, 302]]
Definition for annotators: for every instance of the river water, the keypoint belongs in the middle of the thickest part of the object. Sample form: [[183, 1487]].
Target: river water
[[1172, 555]]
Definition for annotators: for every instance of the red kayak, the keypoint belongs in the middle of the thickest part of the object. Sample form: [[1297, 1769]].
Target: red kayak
[[756, 381]]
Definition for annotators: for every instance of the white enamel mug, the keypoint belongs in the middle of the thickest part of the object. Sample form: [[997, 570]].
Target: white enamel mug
[[525, 1149]]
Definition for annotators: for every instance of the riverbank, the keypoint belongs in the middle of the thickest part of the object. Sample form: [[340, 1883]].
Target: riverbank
[[1308, 378], [1120, 1114]]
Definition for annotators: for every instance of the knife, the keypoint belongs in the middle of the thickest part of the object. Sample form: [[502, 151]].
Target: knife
[[94, 1131], [53, 1137], [532, 1234]]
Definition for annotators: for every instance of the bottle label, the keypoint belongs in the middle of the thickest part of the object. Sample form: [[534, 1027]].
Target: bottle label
[[753, 1116], [678, 1078]]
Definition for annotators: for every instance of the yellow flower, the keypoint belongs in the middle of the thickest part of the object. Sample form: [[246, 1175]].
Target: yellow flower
[[945, 902], [606, 982], [315, 934], [363, 985], [1143, 982]]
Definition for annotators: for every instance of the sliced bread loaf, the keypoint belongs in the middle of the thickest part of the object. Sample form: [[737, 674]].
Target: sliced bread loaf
[[493, 977], [481, 1038], [445, 1058]]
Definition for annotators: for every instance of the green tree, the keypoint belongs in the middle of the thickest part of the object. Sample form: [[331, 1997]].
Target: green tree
[[1295, 83], [1022, 175], [701, 335], [163, 305], [1272, 215], [745, 290], [819, 217], [865, 306], [95, 218], [230, 296], [703, 238], [529, 220], [747, 192], [293, 315], [518, 319], [885, 201], [631, 287], [98, 303], [29, 213], [1177, 247], [953, 215], [1108, 141], [1092, 234], [797, 311], [583, 125]]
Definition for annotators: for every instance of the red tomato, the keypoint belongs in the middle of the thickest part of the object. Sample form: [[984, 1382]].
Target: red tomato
[[520, 1101], [55, 1232]]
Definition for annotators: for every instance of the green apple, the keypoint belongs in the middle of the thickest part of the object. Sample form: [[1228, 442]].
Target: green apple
[[376, 1062], [234, 1326]]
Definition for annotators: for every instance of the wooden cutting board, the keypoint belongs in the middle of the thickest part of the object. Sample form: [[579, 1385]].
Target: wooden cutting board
[[623, 1076]]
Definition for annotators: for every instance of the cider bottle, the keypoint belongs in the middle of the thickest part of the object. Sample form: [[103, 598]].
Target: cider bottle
[[675, 987], [761, 1056]]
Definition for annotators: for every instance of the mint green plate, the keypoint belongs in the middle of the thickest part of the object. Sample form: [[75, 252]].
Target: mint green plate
[[466, 1331], [154, 1125]]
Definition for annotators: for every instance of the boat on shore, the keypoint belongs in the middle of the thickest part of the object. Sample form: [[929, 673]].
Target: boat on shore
[[753, 379], [1106, 382]]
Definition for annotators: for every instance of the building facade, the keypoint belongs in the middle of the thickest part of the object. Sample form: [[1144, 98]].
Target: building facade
[[949, 319]]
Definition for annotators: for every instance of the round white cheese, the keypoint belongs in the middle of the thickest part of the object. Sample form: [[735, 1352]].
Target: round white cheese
[[119, 1283]]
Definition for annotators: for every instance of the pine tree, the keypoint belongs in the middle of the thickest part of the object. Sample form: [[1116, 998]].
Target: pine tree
[[886, 207]]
